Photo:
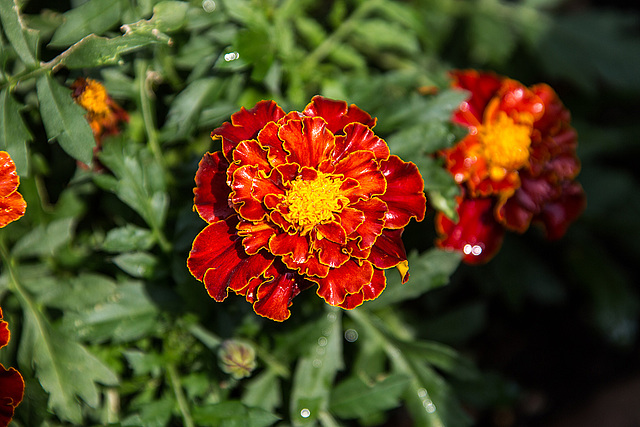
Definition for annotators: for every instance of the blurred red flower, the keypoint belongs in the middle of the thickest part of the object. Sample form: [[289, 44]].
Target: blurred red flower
[[517, 165], [12, 205], [11, 382], [302, 199]]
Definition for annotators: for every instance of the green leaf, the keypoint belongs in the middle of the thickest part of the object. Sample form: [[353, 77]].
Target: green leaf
[[232, 413], [491, 38], [64, 120], [140, 182], [263, 391], [354, 398], [382, 34], [14, 134], [45, 239], [94, 16], [440, 186], [127, 313], [187, 106], [24, 40], [316, 371], [428, 271], [127, 239], [65, 369], [137, 264]]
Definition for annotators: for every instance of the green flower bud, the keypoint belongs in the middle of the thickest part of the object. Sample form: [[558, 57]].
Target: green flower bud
[[237, 358]]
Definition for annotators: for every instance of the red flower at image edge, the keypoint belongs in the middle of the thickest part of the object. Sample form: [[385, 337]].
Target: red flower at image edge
[[12, 204], [11, 382], [517, 165], [302, 199]]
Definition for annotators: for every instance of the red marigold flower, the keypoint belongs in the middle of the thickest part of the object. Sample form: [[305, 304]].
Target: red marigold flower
[[302, 199], [11, 382], [519, 157], [12, 205], [103, 113]]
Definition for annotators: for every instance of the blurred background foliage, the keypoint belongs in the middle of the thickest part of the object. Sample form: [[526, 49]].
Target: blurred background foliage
[[109, 328]]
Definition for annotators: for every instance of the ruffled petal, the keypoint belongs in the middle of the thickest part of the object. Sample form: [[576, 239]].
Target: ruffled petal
[[330, 253], [12, 207], [477, 235], [350, 278], [368, 292], [294, 245], [350, 219], [245, 124], [218, 260], [5, 334], [389, 251], [308, 141], [483, 87], [310, 267], [337, 114], [274, 296], [11, 393], [332, 231], [211, 199], [255, 235], [363, 167], [250, 152], [374, 211], [359, 137], [405, 192], [269, 140], [9, 179], [559, 214]]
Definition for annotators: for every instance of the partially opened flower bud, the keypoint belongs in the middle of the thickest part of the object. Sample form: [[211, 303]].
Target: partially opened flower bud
[[237, 358]]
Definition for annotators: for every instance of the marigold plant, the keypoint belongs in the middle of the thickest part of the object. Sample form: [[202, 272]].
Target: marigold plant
[[12, 205], [302, 199], [11, 382], [517, 165]]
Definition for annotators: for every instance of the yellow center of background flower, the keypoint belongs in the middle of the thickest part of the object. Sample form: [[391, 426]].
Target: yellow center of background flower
[[505, 143], [314, 202], [94, 98]]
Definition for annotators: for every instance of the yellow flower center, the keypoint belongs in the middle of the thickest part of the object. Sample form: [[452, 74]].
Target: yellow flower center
[[315, 201], [505, 143], [94, 98]]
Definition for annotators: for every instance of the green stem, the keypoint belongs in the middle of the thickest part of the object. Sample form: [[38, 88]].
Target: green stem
[[144, 91], [180, 397]]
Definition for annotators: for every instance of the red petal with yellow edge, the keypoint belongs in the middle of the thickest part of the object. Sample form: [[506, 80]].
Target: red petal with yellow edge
[[363, 167], [330, 253], [332, 231], [9, 179], [350, 219], [245, 124], [12, 207], [483, 87], [477, 235], [374, 211], [347, 279], [555, 113], [337, 114], [219, 261], [368, 292], [251, 153], [308, 141], [405, 192], [359, 137], [245, 179], [274, 296], [389, 250], [311, 267], [11, 393], [212, 192], [255, 236], [5, 335], [295, 245], [269, 140]]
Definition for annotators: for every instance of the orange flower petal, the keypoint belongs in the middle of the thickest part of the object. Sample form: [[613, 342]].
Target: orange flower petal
[[274, 295], [349, 278], [368, 292], [245, 124], [362, 166], [405, 193], [294, 245], [12, 207], [255, 235], [329, 253], [269, 140], [9, 179], [219, 261], [483, 87], [250, 152], [308, 141], [11, 393], [350, 219], [5, 334], [212, 192], [337, 114], [374, 211]]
